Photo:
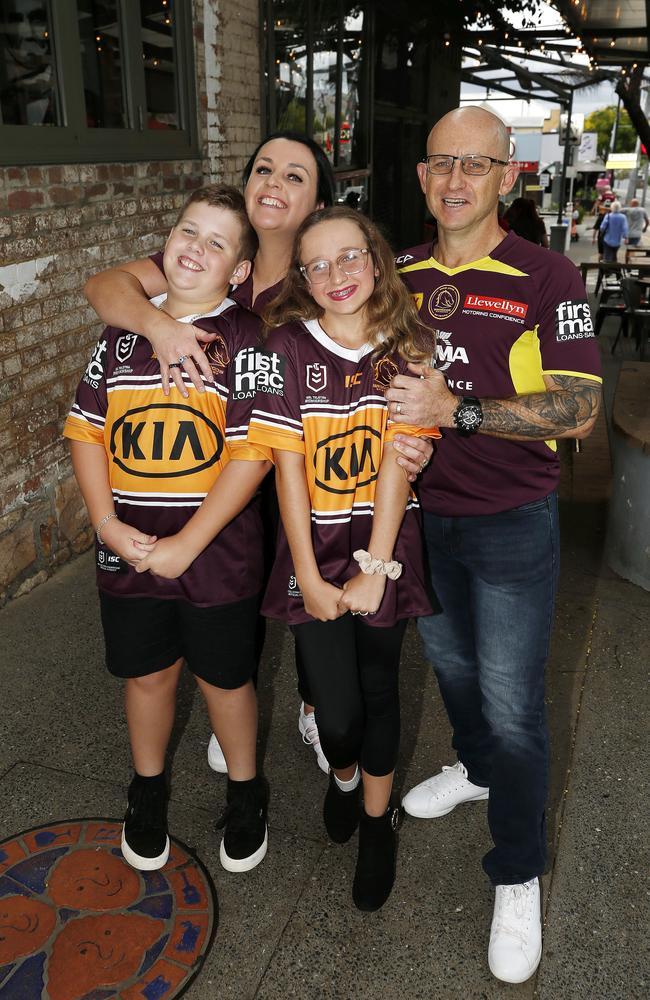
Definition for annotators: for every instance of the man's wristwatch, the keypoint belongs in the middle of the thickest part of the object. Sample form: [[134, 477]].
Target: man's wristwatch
[[468, 416]]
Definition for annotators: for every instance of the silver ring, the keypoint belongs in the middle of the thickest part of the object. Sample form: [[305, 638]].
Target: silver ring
[[182, 359], [363, 613], [398, 408], [355, 612]]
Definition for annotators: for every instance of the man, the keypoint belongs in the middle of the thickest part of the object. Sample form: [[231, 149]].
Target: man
[[517, 367], [637, 221]]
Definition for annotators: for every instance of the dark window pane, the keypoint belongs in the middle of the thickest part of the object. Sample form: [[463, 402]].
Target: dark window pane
[[28, 85], [101, 61], [159, 58], [290, 64]]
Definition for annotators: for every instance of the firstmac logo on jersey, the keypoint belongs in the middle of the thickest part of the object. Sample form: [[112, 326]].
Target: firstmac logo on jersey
[[95, 370], [257, 370], [573, 321]]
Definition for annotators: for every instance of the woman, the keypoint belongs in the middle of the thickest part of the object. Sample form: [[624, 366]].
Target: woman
[[286, 178], [614, 232], [523, 219]]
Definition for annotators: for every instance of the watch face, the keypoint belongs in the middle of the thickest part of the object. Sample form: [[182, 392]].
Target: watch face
[[470, 417]]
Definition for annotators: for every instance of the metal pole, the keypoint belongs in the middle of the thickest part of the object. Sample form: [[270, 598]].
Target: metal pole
[[565, 161], [613, 137]]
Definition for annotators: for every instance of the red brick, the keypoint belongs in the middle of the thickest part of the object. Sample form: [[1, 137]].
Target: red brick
[[63, 195], [55, 175], [24, 199]]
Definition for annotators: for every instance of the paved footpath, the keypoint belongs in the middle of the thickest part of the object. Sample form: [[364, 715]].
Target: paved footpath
[[289, 928]]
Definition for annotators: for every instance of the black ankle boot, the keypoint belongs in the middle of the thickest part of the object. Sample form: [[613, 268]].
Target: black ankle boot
[[341, 811], [375, 872]]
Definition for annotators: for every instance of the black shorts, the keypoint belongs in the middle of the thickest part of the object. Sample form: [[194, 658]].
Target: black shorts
[[145, 634]]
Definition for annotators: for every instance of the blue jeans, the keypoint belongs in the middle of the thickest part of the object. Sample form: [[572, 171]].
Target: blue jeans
[[495, 577]]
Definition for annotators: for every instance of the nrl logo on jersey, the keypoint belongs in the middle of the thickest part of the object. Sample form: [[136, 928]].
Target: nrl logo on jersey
[[316, 376], [444, 302], [124, 347]]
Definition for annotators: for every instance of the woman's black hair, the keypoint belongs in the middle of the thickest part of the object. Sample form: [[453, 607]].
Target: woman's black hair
[[325, 174]]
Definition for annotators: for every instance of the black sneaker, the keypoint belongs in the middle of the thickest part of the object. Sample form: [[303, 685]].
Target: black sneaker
[[375, 872], [341, 811], [145, 844], [245, 838]]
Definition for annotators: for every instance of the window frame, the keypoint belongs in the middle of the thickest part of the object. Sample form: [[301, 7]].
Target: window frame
[[73, 141]]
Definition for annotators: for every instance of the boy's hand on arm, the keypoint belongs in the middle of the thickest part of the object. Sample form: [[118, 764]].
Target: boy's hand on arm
[[168, 558], [363, 594], [127, 542]]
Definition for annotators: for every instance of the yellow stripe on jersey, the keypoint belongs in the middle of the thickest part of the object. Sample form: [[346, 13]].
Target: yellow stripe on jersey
[[525, 364], [269, 435], [81, 430], [483, 264], [559, 371]]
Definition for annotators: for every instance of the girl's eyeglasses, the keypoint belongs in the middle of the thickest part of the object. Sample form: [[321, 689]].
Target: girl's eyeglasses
[[350, 262]]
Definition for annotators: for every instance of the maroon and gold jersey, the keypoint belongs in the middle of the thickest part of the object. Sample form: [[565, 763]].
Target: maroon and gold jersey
[[326, 402], [166, 452], [501, 324]]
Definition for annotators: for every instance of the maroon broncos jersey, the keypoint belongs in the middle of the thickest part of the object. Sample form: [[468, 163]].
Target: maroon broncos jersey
[[501, 324], [166, 452], [326, 402]]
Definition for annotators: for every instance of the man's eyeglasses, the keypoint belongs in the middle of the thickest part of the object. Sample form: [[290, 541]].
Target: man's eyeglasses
[[472, 164], [350, 262]]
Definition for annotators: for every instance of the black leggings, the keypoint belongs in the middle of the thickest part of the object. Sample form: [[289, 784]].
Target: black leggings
[[353, 674]]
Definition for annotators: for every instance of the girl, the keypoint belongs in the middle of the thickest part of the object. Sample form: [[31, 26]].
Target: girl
[[346, 581]]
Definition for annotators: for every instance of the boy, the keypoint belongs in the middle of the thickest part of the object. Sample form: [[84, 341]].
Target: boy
[[168, 482]]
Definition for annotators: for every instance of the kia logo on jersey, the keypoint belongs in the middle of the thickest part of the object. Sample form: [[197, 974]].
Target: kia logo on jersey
[[347, 461], [316, 376], [443, 303], [165, 441]]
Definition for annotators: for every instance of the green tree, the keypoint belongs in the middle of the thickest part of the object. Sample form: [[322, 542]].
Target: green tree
[[602, 122]]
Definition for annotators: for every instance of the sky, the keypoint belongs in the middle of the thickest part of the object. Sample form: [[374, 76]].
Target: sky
[[509, 108]]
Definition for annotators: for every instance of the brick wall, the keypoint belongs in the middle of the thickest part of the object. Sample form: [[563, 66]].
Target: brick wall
[[59, 225]]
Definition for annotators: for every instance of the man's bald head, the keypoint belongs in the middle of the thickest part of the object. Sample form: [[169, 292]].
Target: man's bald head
[[485, 132]]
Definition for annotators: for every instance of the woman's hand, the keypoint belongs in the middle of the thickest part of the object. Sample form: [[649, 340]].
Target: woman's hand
[[363, 593], [169, 558], [172, 341], [127, 542], [414, 454], [321, 600]]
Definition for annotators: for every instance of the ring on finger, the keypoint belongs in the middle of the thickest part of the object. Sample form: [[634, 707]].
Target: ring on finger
[[398, 408], [174, 364], [182, 359], [355, 612]]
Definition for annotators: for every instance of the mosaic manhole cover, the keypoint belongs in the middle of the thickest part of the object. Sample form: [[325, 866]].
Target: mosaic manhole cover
[[77, 923]]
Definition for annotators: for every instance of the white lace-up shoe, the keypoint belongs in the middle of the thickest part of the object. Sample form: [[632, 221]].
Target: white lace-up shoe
[[516, 934], [438, 795], [216, 759], [309, 732]]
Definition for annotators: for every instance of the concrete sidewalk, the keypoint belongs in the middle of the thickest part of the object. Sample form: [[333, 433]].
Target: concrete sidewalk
[[289, 928]]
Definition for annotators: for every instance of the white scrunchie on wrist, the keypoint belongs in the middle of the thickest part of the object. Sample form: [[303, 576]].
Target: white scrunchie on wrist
[[377, 567]]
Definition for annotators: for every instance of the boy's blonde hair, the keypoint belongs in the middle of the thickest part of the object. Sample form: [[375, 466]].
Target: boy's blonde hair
[[394, 326], [225, 196]]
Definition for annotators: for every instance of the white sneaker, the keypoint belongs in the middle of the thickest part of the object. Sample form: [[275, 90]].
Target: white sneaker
[[216, 759], [309, 731], [516, 934], [438, 795]]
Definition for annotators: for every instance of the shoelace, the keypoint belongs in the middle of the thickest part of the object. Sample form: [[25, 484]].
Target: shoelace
[[147, 808], [310, 736], [514, 901], [457, 768]]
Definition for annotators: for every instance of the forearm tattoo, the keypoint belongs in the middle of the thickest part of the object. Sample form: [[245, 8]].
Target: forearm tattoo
[[542, 415]]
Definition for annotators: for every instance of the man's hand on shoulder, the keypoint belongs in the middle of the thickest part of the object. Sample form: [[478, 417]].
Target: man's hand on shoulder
[[422, 399]]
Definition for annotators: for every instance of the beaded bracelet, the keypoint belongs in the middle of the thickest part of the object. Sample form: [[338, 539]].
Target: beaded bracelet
[[372, 567], [101, 524]]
